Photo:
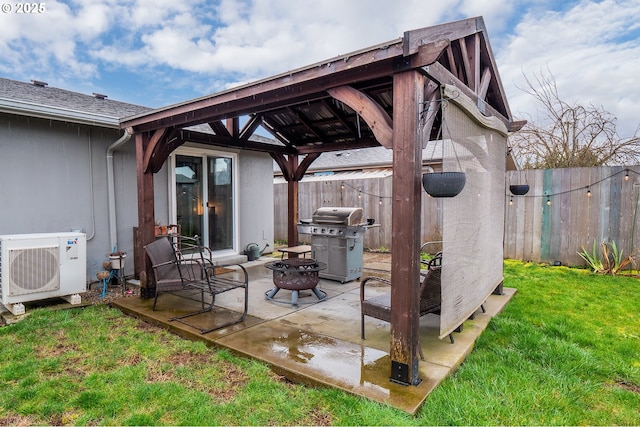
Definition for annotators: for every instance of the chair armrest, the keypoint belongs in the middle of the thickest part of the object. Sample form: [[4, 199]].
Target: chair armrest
[[162, 264], [242, 268], [363, 284]]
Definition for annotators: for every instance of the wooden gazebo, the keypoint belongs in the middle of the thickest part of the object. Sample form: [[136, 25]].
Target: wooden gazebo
[[375, 96]]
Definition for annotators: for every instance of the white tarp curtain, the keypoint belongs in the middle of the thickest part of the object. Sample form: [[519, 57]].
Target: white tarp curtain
[[473, 221]]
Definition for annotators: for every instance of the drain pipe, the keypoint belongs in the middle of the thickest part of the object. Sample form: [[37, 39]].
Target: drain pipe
[[111, 192]]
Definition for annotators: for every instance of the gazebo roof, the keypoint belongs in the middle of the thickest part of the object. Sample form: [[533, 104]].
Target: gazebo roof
[[308, 110]]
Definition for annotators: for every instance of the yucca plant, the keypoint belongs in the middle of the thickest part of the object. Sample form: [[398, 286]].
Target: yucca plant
[[612, 261], [591, 258]]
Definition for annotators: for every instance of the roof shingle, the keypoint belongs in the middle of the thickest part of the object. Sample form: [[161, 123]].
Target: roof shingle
[[63, 99]]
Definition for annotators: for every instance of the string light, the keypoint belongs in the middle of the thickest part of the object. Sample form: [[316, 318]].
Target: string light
[[548, 196], [360, 192], [626, 172]]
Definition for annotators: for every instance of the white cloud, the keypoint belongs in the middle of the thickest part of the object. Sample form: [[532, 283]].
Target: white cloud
[[582, 48], [259, 38]]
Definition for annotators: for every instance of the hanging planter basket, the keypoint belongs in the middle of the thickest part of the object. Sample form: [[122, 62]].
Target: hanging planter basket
[[444, 184], [519, 189]]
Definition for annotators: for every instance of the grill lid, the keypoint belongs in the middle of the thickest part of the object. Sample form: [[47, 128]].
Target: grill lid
[[338, 216]]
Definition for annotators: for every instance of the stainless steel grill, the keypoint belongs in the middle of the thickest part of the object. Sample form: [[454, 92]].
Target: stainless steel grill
[[336, 240]]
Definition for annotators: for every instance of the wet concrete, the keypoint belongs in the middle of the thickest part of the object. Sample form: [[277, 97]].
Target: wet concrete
[[318, 342]]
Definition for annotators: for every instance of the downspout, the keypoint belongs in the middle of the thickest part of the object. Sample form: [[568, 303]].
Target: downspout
[[111, 192]]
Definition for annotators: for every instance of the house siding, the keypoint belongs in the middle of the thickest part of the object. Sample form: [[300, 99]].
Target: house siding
[[53, 179]]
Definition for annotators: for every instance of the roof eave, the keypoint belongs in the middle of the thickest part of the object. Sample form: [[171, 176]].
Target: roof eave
[[12, 106]]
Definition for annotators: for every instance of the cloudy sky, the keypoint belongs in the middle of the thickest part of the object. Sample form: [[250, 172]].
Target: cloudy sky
[[159, 52]]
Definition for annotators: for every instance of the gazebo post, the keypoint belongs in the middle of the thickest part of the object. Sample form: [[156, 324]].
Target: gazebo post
[[146, 213], [292, 203], [408, 94]]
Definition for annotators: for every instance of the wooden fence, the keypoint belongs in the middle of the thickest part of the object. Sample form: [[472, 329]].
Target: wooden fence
[[552, 222]]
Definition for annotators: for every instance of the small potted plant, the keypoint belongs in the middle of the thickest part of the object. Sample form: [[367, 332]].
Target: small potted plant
[[117, 259]]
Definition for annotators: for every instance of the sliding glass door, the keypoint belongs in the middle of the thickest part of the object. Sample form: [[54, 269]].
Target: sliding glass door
[[204, 197]]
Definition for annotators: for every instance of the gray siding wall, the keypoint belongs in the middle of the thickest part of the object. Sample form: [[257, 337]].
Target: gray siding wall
[[53, 178], [255, 193]]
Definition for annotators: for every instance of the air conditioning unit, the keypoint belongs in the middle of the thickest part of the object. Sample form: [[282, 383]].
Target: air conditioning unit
[[41, 266]]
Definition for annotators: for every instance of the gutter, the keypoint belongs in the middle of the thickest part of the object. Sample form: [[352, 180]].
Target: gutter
[[111, 193], [57, 113]]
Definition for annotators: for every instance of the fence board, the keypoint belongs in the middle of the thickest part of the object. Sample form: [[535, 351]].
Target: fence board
[[535, 215]]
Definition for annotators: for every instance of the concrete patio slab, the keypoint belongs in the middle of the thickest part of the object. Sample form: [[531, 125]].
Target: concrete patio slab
[[318, 342]]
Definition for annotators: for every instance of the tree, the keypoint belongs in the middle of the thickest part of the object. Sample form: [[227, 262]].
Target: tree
[[570, 135]]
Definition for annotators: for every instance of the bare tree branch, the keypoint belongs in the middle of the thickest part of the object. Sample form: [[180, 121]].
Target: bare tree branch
[[570, 135]]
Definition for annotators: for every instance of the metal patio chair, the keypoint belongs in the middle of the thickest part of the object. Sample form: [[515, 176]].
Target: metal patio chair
[[188, 266], [379, 306]]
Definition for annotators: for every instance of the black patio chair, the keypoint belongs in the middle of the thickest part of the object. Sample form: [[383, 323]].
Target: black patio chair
[[187, 265], [379, 306]]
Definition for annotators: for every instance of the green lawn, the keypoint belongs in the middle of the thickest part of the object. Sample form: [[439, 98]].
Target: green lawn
[[565, 351]]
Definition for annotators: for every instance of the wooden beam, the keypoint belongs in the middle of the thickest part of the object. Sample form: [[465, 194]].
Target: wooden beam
[[371, 112], [484, 83], [233, 126], [250, 127], [172, 141], [306, 123], [440, 74], [293, 202], [306, 162], [283, 162], [473, 49], [451, 31], [452, 62], [338, 114], [277, 132], [336, 146], [428, 115], [151, 148], [219, 128], [408, 92], [146, 216], [466, 64]]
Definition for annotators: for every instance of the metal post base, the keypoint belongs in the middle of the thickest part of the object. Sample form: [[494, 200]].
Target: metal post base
[[400, 374]]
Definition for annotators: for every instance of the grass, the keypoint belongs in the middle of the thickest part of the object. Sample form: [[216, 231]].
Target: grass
[[565, 351]]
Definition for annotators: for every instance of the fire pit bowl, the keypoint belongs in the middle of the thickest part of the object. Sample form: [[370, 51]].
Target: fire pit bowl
[[296, 274]]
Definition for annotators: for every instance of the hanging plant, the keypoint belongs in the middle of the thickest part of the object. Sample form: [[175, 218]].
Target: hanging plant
[[449, 183], [519, 189], [444, 184]]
